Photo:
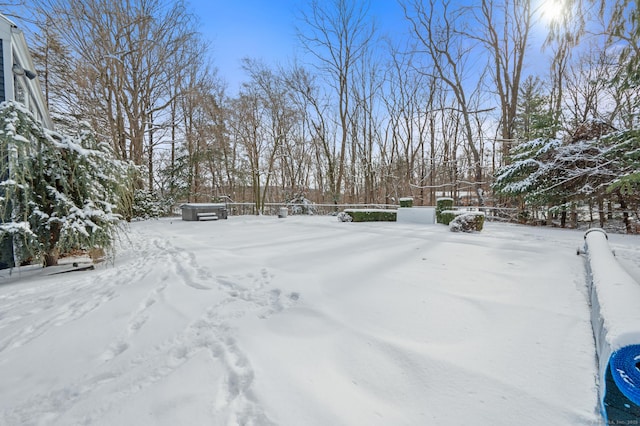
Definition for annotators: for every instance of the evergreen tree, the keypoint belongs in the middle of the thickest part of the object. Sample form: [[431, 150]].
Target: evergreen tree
[[529, 173], [60, 193], [534, 117], [596, 163]]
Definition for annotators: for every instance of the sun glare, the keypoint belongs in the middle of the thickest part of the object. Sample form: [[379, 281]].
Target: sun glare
[[552, 10]]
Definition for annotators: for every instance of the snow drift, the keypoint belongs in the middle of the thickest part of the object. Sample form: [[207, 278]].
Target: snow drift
[[307, 321]]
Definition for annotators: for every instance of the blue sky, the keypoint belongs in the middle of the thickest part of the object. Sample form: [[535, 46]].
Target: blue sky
[[265, 29]]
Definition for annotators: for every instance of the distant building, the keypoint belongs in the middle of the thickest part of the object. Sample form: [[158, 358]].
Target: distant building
[[18, 82], [18, 79]]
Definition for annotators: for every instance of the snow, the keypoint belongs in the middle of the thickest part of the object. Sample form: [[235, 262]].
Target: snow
[[307, 321]]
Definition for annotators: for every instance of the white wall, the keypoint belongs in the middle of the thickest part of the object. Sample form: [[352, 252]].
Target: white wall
[[423, 215]]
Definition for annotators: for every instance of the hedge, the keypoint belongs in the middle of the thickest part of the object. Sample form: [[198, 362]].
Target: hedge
[[372, 215], [406, 202], [446, 216], [443, 204]]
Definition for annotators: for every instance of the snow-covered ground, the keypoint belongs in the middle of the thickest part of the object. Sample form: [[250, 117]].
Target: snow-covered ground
[[307, 321]]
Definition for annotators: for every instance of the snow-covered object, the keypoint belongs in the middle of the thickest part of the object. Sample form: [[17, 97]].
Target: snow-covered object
[[423, 215], [301, 205], [344, 217], [467, 222], [615, 317]]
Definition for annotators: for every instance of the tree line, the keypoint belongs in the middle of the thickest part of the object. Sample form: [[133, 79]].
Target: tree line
[[366, 118]]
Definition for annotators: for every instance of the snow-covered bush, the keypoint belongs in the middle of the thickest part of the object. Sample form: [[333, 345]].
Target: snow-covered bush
[[446, 216], [299, 204], [406, 202], [442, 204], [57, 193], [148, 205], [344, 217], [467, 222]]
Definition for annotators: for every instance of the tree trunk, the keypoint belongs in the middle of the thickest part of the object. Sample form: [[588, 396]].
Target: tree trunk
[[625, 214], [51, 259], [601, 214]]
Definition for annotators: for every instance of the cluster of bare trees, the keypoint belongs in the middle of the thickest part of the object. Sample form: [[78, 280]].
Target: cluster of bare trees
[[366, 119]]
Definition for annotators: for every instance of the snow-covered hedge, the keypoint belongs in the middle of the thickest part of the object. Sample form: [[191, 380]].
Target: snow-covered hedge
[[446, 216], [406, 202], [372, 215], [442, 204]]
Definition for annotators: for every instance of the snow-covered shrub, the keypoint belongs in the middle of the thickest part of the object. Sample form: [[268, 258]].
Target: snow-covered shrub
[[467, 222], [344, 217], [57, 192], [406, 202], [446, 216], [148, 205], [443, 204], [372, 215], [301, 205]]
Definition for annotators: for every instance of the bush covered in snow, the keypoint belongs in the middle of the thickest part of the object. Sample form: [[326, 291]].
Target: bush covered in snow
[[57, 192], [446, 216], [148, 205], [467, 222], [443, 204], [344, 217], [406, 202], [299, 204]]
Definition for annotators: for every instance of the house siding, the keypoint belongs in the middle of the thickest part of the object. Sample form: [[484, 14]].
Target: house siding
[[3, 96]]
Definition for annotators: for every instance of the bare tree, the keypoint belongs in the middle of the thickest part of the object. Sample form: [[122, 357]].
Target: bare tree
[[279, 118], [408, 101], [14, 9], [337, 33], [506, 27], [585, 88], [121, 58], [434, 27], [315, 110], [365, 125]]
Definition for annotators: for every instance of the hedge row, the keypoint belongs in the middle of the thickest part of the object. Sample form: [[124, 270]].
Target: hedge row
[[372, 215]]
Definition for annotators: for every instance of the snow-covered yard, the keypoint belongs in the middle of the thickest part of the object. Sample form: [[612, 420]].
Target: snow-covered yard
[[307, 321]]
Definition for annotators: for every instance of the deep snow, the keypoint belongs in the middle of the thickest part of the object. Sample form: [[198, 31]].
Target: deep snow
[[307, 321]]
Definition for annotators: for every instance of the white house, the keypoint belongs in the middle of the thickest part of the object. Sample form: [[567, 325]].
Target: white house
[[18, 79], [18, 82]]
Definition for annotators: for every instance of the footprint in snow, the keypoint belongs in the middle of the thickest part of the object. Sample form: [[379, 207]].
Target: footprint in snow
[[257, 289]]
